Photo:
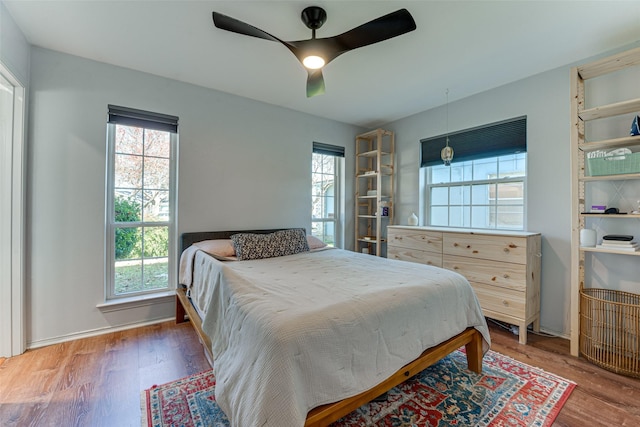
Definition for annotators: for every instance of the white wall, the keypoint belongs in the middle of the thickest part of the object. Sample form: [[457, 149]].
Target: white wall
[[242, 164], [14, 48], [545, 100]]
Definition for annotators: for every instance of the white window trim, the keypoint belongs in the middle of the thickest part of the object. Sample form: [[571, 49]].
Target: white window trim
[[110, 225], [338, 193]]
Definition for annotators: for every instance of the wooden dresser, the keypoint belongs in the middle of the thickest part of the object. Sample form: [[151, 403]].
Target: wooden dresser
[[502, 266]]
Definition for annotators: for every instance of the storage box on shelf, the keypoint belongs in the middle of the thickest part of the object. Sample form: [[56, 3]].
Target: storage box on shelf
[[596, 325], [502, 266], [374, 190], [615, 165]]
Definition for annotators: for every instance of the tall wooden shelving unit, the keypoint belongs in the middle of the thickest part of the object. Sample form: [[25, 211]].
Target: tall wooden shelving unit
[[374, 189], [579, 147]]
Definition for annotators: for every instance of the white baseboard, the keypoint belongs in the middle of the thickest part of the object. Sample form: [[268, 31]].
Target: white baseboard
[[93, 333]]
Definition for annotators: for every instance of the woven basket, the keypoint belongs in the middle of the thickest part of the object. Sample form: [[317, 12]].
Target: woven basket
[[610, 330], [628, 163]]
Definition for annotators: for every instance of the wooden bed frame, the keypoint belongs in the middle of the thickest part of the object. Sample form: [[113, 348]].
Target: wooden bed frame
[[326, 414]]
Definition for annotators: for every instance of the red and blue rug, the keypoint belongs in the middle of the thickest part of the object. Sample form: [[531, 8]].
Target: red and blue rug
[[507, 393]]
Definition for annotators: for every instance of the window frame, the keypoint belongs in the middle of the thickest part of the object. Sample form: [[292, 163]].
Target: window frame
[[338, 189], [111, 225], [426, 187]]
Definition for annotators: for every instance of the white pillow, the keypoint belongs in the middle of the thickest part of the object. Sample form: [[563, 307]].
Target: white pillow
[[221, 249], [315, 243]]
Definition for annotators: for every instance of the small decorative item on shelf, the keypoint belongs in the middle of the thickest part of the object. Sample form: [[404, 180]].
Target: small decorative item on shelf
[[413, 219], [588, 238], [384, 208], [635, 126]]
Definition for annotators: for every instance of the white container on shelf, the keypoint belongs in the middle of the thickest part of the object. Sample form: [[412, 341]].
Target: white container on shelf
[[588, 238], [413, 219]]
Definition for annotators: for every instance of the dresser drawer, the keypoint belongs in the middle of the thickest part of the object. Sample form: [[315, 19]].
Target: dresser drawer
[[496, 273], [414, 255], [500, 300], [497, 248], [415, 239]]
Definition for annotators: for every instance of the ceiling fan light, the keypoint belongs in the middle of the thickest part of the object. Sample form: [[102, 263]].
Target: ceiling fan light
[[313, 62]]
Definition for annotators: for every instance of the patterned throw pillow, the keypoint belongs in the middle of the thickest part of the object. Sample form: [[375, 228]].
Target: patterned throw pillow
[[280, 243]]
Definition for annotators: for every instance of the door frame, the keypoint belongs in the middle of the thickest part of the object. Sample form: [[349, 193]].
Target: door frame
[[12, 250]]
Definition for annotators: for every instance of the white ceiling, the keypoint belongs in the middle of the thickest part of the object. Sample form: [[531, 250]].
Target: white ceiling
[[465, 46]]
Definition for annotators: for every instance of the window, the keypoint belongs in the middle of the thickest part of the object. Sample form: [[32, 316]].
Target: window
[[484, 187], [484, 193], [141, 201], [326, 164]]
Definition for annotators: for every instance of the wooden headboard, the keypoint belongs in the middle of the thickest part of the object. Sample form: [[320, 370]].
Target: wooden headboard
[[188, 239]]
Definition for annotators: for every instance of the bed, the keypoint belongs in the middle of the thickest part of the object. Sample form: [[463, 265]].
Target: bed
[[306, 338]]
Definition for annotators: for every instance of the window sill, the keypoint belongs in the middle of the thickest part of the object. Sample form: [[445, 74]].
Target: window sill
[[137, 301]]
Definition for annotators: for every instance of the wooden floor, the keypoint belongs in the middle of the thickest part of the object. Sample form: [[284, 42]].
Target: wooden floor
[[97, 381]]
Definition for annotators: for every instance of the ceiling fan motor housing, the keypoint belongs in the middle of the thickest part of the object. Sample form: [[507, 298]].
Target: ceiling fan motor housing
[[313, 17]]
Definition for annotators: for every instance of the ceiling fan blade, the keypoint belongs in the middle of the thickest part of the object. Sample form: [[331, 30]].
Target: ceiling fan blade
[[228, 23], [315, 83], [386, 27]]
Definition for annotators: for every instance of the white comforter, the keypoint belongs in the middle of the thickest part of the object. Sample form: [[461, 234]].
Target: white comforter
[[295, 332]]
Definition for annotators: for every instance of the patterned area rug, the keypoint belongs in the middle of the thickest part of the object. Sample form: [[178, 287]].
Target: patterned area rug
[[507, 393]]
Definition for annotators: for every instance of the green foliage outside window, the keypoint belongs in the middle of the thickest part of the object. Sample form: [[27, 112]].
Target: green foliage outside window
[[156, 242], [126, 210]]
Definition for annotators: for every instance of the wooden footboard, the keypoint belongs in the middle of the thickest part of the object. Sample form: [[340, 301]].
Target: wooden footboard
[[326, 414], [470, 338]]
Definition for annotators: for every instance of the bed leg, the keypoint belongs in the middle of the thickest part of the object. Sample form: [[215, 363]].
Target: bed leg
[[180, 312], [474, 353]]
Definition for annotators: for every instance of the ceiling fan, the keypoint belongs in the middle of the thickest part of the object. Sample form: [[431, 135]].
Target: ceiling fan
[[316, 53]]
